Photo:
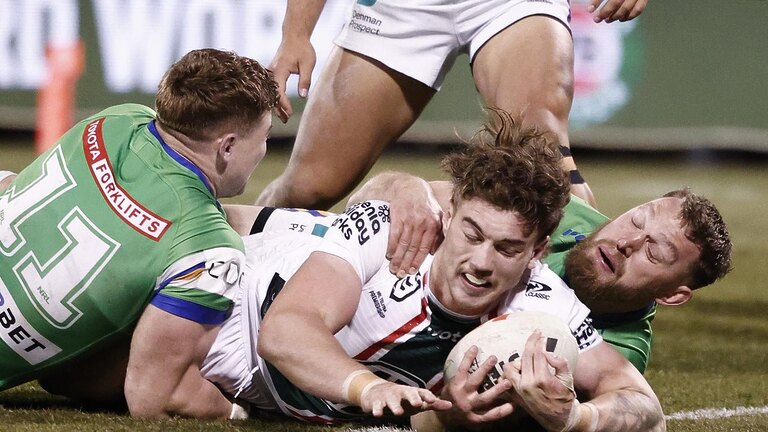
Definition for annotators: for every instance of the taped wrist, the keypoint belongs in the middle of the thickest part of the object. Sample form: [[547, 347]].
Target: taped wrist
[[357, 384], [583, 418], [565, 151]]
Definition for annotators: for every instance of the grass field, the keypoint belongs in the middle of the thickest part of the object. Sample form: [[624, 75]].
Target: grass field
[[709, 354]]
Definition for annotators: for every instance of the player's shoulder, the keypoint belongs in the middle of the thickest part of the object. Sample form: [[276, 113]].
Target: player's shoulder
[[363, 221], [546, 291]]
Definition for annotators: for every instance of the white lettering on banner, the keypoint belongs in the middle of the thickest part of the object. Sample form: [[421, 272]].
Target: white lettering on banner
[[19, 334], [136, 40], [140, 39], [27, 27]]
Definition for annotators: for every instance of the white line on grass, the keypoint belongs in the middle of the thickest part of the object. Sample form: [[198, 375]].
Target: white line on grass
[[716, 413], [699, 414]]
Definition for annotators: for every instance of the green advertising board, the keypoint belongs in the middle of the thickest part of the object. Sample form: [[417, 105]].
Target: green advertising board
[[685, 74]]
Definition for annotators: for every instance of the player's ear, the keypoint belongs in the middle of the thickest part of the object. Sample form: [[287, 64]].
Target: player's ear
[[446, 218], [678, 296], [226, 145], [538, 252]]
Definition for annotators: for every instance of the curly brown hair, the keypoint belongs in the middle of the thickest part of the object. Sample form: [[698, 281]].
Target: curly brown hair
[[513, 168], [208, 88], [705, 227]]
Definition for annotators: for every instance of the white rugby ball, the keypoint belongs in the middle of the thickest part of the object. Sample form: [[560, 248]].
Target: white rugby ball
[[505, 337]]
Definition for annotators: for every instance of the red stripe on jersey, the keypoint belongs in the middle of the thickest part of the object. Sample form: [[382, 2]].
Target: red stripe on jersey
[[404, 329], [122, 203]]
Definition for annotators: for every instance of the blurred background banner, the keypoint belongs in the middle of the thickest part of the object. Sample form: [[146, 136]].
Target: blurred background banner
[[685, 75]]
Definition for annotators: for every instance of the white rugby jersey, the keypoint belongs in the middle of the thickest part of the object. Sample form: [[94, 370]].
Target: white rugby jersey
[[400, 330]]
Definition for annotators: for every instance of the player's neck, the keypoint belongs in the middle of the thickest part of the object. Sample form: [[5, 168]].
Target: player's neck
[[192, 150]]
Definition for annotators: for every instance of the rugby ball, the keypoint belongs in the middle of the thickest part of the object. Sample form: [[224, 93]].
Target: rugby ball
[[505, 337]]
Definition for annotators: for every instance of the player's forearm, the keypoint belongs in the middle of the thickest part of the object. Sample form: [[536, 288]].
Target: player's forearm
[[306, 352], [629, 410], [301, 17], [388, 185]]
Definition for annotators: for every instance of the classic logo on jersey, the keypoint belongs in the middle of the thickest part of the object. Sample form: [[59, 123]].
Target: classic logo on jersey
[[19, 334], [538, 290], [586, 334], [405, 287], [362, 221], [124, 205]]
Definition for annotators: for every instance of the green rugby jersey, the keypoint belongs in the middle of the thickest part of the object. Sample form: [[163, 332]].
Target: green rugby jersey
[[107, 221], [629, 333]]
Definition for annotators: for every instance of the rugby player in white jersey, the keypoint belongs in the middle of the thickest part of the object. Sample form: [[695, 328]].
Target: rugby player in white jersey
[[324, 332]]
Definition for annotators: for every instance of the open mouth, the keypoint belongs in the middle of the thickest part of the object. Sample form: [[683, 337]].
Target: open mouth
[[475, 281], [606, 259]]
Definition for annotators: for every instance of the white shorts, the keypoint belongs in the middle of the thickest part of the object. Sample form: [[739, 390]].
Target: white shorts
[[422, 38], [230, 364]]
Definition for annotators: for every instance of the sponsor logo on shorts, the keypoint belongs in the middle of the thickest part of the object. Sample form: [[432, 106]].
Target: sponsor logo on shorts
[[363, 23], [19, 334], [123, 204], [538, 290]]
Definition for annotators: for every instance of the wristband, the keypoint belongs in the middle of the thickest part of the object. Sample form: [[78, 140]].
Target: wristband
[[239, 412], [575, 177], [565, 151], [577, 421], [357, 384]]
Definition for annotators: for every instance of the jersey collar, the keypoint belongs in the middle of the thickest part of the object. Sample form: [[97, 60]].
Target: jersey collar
[[179, 158]]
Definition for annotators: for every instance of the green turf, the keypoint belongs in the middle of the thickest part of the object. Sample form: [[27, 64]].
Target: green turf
[[710, 353]]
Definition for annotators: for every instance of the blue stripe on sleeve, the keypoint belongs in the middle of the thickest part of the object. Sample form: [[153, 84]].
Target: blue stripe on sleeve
[[189, 310]]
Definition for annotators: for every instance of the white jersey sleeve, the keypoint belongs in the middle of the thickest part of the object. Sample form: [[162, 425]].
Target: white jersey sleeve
[[546, 292], [359, 236]]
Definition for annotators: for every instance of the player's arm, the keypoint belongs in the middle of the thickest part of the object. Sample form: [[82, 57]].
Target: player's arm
[[163, 376], [175, 332], [615, 396], [295, 55], [297, 337], [416, 209], [241, 217], [623, 398]]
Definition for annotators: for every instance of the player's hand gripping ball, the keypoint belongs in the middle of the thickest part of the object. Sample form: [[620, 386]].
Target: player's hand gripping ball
[[505, 337]]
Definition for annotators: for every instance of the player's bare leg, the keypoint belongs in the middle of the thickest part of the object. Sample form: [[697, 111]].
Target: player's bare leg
[[356, 109], [528, 67]]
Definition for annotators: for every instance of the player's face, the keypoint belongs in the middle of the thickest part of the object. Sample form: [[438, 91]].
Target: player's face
[[249, 150], [638, 257], [485, 254]]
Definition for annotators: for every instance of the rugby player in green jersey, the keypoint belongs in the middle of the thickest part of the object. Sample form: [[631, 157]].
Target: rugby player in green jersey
[[116, 234]]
